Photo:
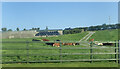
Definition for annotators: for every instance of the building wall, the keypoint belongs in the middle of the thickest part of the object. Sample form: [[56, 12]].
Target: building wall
[[18, 34], [60, 32], [23, 34]]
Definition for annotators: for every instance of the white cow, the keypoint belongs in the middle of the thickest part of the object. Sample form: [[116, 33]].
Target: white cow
[[100, 44]]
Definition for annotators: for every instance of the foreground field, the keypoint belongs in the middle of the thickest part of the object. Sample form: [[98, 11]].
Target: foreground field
[[70, 64], [16, 51]]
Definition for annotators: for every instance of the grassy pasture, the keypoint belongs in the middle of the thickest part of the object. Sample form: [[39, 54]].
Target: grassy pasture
[[46, 53], [105, 35], [73, 64], [67, 37]]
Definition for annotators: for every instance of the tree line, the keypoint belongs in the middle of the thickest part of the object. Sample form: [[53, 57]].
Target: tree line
[[17, 29], [77, 30], [91, 28]]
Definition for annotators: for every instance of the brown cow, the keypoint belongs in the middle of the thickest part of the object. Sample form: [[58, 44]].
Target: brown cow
[[45, 40], [69, 44], [56, 44], [91, 40]]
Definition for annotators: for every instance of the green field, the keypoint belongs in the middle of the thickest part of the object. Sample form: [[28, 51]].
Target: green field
[[67, 37], [72, 64], [13, 55], [106, 35]]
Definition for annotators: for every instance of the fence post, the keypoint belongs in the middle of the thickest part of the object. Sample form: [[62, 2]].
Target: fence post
[[91, 56], [115, 51], [60, 52], [27, 48], [118, 51]]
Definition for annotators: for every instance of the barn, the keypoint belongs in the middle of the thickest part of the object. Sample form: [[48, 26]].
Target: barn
[[49, 32]]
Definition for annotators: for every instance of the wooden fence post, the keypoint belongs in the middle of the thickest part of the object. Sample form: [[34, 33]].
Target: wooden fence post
[[115, 51], [60, 52], [27, 48], [91, 56], [118, 51]]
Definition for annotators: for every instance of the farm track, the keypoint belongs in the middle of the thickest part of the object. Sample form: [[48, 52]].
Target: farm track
[[87, 36], [83, 41]]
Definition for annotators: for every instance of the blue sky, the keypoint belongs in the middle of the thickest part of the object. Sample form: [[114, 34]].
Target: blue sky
[[57, 15]]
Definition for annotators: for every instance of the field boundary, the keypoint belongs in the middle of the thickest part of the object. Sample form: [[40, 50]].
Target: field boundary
[[90, 48]]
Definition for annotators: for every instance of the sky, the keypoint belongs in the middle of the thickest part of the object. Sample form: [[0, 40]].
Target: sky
[[57, 15]]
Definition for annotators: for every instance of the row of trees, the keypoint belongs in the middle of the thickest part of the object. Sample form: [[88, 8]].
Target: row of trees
[[91, 28], [72, 31], [17, 29], [78, 30]]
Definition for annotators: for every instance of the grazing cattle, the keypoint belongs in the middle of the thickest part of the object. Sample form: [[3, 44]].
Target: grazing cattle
[[57, 40], [77, 43], [104, 44], [56, 44], [35, 40], [97, 43], [91, 40], [45, 40], [49, 44], [100, 44], [108, 44], [69, 44]]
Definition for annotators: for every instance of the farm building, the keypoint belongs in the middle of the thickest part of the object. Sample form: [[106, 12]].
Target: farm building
[[47, 32], [53, 32], [18, 34], [31, 33]]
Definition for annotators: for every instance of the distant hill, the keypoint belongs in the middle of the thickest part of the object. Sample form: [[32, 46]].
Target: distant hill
[[66, 37], [105, 35]]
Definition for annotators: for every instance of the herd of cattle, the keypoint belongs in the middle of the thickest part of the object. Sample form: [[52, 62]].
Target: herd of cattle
[[105, 44], [57, 44]]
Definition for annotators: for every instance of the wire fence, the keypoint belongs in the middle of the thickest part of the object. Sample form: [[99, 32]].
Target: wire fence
[[30, 47]]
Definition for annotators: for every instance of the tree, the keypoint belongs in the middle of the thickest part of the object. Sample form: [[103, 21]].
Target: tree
[[24, 29], [85, 28], [9, 29], [38, 28], [104, 26], [4, 29], [46, 27], [17, 29]]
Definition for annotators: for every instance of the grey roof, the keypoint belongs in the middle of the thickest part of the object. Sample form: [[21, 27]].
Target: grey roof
[[47, 33]]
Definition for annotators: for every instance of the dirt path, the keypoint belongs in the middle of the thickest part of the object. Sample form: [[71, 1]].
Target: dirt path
[[84, 41], [87, 36]]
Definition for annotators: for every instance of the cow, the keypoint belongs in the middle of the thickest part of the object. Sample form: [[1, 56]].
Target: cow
[[57, 40], [100, 44], [49, 44], [69, 44], [108, 44], [91, 40], [104, 44], [77, 43], [45, 40], [35, 40], [56, 44]]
